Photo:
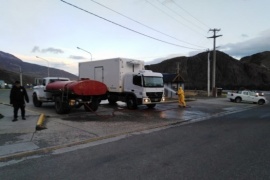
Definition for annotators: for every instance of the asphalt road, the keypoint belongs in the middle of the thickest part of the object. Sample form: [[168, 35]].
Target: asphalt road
[[234, 146]]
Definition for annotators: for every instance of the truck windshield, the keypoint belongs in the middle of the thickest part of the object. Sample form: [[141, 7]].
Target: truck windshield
[[152, 81]]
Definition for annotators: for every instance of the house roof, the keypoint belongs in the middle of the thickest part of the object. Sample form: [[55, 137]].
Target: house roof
[[172, 77]]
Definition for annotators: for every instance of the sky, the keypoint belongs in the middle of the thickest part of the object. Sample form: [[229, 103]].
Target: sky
[[148, 30]]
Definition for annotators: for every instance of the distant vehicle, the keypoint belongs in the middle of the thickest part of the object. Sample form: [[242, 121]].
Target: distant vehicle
[[246, 96], [67, 94], [2, 84]]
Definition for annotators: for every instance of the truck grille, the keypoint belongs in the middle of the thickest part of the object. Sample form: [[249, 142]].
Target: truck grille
[[154, 96]]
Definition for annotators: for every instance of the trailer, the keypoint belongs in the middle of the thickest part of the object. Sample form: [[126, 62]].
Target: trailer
[[126, 81], [67, 94]]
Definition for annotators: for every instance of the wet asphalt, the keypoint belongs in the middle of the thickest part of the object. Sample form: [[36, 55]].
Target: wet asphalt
[[19, 139]]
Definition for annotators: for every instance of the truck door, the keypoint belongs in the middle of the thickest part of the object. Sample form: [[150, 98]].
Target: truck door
[[136, 86], [245, 96], [99, 74]]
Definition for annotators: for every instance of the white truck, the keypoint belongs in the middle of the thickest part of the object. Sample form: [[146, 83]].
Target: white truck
[[246, 96], [126, 81]]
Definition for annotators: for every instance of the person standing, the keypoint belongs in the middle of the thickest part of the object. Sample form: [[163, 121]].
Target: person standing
[[18, 96], [181, 97]]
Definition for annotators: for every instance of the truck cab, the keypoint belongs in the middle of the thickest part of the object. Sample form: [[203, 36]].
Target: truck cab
[[39, 94], [147, 87]]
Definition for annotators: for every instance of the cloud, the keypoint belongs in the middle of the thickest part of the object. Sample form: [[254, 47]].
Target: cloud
[[244, 35], [76, 57], [35, 49], [50, 50], [248, 47]]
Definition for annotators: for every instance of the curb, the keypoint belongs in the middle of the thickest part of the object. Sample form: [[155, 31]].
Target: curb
[[40, 122], [48, 150]]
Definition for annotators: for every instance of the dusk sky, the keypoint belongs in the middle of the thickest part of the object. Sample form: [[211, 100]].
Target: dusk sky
[[138, 29]]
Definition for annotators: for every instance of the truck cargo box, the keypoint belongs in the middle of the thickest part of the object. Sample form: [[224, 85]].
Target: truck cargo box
[[110, 71]]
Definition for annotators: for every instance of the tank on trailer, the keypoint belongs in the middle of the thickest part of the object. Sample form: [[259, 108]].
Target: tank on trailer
[[84, 87]]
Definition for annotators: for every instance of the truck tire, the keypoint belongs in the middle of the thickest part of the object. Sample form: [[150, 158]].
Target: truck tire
[[36, 102], [112, 100], [238, 100], [150, 106], [131, 102], [93, 106], [261, 102], [60, 107]]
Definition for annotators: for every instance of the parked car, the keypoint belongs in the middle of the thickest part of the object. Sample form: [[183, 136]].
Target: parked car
[[246, 96]]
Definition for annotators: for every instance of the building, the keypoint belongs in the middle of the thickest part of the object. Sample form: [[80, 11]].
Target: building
[[171, 84]]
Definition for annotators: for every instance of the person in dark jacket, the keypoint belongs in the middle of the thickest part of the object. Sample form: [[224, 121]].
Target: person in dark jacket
[[17, 96]]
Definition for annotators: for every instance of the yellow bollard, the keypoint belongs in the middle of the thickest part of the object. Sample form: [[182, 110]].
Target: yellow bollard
[[40, 121]]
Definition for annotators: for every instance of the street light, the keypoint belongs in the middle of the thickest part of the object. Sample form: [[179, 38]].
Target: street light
[[48, 64], [20, 73], [85, 51]]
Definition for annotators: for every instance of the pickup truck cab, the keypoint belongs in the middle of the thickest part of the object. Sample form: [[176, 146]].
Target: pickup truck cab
[[39, 92], [246, 96]]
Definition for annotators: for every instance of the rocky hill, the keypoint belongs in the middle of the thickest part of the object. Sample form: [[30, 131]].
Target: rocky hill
[[230, 73], [9, 70], [261, 59]]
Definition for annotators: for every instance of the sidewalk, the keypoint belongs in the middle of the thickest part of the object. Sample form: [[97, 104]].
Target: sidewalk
[[16, 136], [20, 139]]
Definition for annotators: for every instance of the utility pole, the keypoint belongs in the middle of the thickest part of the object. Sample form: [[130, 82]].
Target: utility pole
[[214, 61], [208, 73]]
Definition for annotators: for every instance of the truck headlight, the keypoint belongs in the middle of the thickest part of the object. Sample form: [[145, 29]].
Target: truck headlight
[[163, 99], [146, 100]]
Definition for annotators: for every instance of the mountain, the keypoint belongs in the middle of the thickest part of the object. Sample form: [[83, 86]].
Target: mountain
[[261, 59], [230, 73], [10, 69]]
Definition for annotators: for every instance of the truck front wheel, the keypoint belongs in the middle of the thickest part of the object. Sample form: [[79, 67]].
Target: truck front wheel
[[36, 102], [131, 102]]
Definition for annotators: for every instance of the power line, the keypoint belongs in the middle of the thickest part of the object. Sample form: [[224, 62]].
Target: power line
[[128, 28], [173, 18], [190, 14], [144, 24], [180, 15]]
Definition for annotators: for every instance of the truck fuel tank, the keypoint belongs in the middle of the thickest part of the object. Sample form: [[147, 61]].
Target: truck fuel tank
[[84, 87]]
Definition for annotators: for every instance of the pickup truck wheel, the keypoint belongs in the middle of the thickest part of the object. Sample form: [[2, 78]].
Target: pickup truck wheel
[[60, 107], [261, 102], [36, 102], [93, 106], [151, 105], [131, 102], [238, 100]]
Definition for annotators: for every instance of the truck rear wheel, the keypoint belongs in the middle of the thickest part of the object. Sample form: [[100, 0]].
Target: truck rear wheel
[[112, 100], [36, 102], [131, 102], [60, 107], [93, 106]]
